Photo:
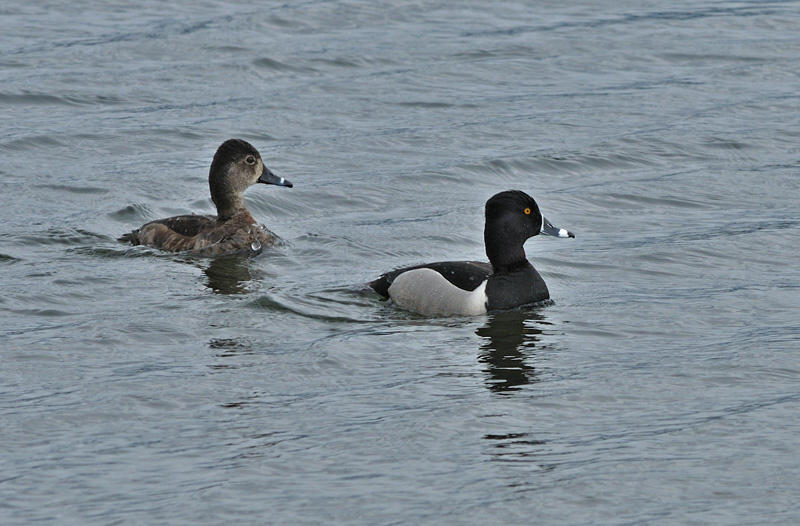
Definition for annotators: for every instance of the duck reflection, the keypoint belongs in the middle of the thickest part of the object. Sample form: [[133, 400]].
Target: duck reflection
[[516, 447], [509, 341], [227, 347], [229, 274], [230, 352]]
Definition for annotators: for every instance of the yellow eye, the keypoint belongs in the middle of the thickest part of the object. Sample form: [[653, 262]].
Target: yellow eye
[[527, 211]]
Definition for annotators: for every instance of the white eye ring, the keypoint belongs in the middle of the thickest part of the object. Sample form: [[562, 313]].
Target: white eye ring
[[250, 160]]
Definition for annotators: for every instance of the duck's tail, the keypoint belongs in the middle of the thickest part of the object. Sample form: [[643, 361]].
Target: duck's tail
[[130, 237]]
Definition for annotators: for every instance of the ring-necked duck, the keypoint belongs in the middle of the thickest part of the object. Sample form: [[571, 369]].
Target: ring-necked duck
[[237, 165], [473, 287]]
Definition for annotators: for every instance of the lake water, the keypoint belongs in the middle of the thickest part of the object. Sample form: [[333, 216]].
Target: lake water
[[661, 386]]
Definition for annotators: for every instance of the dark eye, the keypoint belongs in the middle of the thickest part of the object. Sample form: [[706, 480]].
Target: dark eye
[[250, 160]]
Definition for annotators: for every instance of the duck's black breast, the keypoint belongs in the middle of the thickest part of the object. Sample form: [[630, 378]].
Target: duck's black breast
[[466, 275], [509, 290]]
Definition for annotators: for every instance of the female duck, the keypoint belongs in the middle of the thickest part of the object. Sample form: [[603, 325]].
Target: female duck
[[237, 165], [473, 287]]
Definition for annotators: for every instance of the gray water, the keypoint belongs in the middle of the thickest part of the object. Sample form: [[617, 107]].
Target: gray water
[[661, 386]]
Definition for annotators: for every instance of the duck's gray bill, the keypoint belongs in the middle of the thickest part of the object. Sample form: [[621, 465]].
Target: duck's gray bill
[[268, 177], [550, 230]]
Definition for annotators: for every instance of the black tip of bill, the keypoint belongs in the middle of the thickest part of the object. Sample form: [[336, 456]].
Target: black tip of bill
[[550, 230], [267, 177]]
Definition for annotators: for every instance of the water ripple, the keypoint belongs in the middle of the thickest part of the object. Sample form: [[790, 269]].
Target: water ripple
[[65, 100]]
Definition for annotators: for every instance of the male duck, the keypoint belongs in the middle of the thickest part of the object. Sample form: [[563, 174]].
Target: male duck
[[237, 165], [473, 287]]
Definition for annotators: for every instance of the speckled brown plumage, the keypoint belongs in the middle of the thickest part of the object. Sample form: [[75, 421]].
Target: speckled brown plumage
[[236, 166], [204, 235]]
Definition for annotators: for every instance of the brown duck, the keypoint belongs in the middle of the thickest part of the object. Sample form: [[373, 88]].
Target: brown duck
[[237, 165]]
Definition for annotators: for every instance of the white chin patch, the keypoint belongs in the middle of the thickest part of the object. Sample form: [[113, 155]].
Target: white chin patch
[[427, 292]]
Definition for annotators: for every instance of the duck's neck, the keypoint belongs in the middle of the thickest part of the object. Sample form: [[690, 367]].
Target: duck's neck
[[229, 207], [504, 249], [227, 197]]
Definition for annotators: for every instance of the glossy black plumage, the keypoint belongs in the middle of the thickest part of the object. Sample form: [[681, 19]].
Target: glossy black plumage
[[511, 217]]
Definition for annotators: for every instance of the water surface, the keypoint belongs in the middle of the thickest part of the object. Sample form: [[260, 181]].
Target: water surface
[[661, 386]]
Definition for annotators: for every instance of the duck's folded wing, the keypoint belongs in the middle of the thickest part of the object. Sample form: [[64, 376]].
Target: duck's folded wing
[[466, 275], [188, 226], [174, 234]]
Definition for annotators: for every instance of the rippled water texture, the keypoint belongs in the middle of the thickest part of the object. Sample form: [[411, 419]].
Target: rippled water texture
[[661, 386]]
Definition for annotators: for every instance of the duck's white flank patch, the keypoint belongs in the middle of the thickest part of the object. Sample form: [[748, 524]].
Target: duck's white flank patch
[[427, 292]]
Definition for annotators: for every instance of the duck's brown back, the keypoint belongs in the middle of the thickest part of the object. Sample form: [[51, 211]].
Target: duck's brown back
[[204, 235]]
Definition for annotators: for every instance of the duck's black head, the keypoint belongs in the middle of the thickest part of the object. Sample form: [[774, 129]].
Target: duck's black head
[[237, 165], [512, 217]]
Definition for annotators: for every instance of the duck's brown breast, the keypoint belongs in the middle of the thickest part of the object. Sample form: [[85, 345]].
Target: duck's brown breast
[[239, 234]]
